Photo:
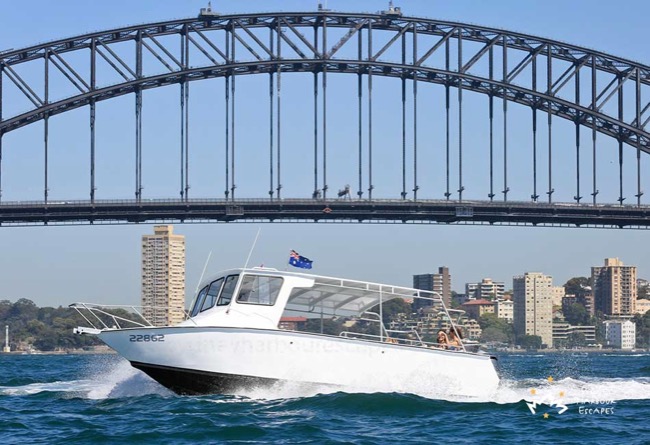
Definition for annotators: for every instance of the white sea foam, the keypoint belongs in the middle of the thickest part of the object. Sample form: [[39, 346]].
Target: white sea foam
[[117, 379], [35, 388], [573, 391], [287, 390], [122, 380], [113, 380], [627, 355], [568, 391]]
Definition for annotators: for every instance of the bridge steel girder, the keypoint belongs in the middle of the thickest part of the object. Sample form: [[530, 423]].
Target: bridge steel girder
[[621, 71], [542, 102], [324, 211]]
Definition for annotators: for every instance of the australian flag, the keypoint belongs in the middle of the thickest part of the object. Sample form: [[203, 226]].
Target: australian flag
[[296, 260]]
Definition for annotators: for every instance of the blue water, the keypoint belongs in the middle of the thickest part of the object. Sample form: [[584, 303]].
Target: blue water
[[101, 399]]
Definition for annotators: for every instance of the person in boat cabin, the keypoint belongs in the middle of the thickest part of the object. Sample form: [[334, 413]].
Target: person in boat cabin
[[442, 340], [454, 338]]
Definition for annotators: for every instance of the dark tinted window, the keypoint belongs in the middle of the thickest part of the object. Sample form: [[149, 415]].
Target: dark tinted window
[[199, 301], [228, 290], [213, 293]]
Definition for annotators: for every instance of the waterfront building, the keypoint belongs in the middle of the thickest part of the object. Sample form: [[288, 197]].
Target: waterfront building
[[475, 308], [642, 306], [471, 290], [614, 288], [505, 310], [163, 277], [459, 299], [486, 289], [557, 295], [620, 334], [436, 282], [292, 323], [587, 300], [567, 301], [431, 320], [561, 332], [471, 330], [533, 306]]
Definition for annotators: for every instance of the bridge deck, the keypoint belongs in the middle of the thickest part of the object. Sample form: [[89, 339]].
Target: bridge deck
[[308, 210]]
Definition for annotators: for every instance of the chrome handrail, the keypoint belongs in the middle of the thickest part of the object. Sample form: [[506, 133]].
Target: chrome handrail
[[412, 331], [96, 309], [401, 341]]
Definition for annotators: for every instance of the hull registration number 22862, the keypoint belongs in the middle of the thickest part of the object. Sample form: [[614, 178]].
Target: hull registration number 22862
[[146, 337]]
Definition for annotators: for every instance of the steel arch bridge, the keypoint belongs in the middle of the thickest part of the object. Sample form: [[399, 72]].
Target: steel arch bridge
[[606, 95]]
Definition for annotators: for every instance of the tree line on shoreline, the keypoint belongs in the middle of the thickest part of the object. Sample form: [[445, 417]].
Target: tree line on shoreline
[[43, 328]]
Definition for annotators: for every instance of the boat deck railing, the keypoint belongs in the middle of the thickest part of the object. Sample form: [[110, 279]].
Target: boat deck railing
[[409, 337], [394, 339], [108, 316]]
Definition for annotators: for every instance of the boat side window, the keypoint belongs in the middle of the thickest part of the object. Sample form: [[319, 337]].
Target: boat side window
[[199, 301], [213, 293], [228, 290], [256, 289]]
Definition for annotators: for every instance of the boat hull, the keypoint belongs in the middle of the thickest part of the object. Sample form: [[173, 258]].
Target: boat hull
[[194, 382], [201, 360]]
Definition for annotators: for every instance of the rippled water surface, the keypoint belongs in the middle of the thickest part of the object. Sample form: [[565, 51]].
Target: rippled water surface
[[101, 399]]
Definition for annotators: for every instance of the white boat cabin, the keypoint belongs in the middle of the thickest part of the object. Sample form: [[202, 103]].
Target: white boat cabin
[[261, 297]]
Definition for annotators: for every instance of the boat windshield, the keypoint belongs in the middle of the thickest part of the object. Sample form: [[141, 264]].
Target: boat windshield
[[213, 292], [228, 290], [198, 303], [259, 289], [219, 292]]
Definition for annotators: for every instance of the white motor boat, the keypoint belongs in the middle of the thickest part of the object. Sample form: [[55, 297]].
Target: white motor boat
[[233, 338]]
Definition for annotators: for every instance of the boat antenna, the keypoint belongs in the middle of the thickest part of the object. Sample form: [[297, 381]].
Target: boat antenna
[[252, 247], [196, 292], [203, 273]]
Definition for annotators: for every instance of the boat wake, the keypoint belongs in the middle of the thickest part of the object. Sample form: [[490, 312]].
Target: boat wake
[[110, 380], [35, 388], [568, 391], [114, 380], [573, 391], [125, 381]]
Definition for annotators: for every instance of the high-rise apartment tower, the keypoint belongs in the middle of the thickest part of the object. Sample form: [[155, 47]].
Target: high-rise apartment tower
[[437, 282], [163, 277], [533, 306], [486, 289], [614, 288]]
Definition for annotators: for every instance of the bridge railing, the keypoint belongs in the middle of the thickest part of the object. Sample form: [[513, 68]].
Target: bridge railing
[[464, 204]]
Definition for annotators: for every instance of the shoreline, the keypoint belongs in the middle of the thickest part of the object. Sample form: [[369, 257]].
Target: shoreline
[[74, 352], [571, 351]]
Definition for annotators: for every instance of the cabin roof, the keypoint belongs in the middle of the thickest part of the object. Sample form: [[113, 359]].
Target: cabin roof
[[338, 295]]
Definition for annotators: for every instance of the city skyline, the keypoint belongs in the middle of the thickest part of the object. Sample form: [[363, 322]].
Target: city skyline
[[125, 244], [57, 265]]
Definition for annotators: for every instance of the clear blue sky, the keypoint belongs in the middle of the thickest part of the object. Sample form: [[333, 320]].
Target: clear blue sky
[[58, 265]]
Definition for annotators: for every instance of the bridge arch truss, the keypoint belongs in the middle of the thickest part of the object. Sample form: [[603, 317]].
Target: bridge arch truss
[[554, 79]]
